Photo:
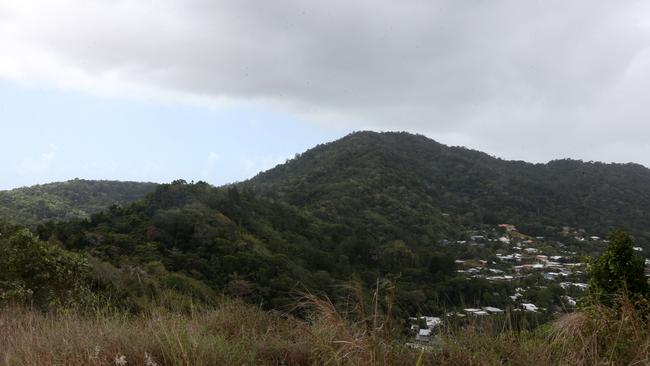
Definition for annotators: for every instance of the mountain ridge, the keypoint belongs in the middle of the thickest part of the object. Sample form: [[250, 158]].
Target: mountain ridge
[[379, 178], [471, 184], [71, 199]]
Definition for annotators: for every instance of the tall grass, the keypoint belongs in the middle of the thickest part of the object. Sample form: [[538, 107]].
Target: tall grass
[[336, 339], [231, 334], [234, 333], [597, 335]]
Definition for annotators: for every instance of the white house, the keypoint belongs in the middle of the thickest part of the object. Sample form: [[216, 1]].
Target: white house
[[432, 321], [423, 335], [492, 310], [529, 307]]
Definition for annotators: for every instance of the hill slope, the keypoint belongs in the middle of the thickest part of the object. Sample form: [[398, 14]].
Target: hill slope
[[67, 200], [263, 250], [402, 182]]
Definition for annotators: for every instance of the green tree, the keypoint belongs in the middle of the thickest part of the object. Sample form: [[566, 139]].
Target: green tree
[[395, 255], [41, 273], [618, 270]]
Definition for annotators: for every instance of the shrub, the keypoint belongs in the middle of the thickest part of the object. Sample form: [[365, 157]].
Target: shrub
[[618, 270], [40, 273]]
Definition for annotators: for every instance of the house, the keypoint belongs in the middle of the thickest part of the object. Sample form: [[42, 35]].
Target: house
[[569, 300], [424, 335], [475, 312], [550, 275], [432, 321], [516, 296], [529, 307], [508, 227], [492, 310], [471, 311]]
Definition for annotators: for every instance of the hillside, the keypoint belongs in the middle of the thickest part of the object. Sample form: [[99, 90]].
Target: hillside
[[63, 201], [366, 206], [263, 250], [399, 183]]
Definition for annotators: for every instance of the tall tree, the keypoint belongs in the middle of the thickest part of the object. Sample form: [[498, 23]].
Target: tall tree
[[618, 270]]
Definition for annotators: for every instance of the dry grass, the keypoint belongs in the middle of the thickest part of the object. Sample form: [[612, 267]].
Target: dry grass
[[234, 333], [596, 336], [231, 334], [337, 340], [603, 336]]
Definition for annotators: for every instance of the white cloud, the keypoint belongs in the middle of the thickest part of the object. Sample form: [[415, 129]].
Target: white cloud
[[573, 77]]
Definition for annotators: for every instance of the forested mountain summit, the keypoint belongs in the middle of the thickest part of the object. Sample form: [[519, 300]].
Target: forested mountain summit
[[67, 200], [397, 177]]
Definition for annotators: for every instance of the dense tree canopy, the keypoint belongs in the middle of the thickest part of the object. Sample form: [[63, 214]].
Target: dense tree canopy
[[235, 242], [396, 186], [67, 200]]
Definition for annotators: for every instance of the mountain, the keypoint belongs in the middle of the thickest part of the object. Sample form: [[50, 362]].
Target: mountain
[[368, 206], [67, 200], [399, 184]]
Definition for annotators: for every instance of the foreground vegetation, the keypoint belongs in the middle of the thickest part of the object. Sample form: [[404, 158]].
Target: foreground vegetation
[[235, 333], [160, 325]]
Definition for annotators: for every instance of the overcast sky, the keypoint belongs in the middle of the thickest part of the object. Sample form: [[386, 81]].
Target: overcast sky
[[258, 81]]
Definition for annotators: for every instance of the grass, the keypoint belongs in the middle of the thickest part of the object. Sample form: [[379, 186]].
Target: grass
[[597, 335], [231, 334], [234, 333]]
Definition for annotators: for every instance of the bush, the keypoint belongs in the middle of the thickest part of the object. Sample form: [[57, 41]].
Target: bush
[[40, 273], [618, 270]]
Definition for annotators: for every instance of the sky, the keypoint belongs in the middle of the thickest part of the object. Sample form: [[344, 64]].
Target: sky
[[215, 90]]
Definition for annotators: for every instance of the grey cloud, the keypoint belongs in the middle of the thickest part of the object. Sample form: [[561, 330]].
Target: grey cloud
[[524, 79]]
